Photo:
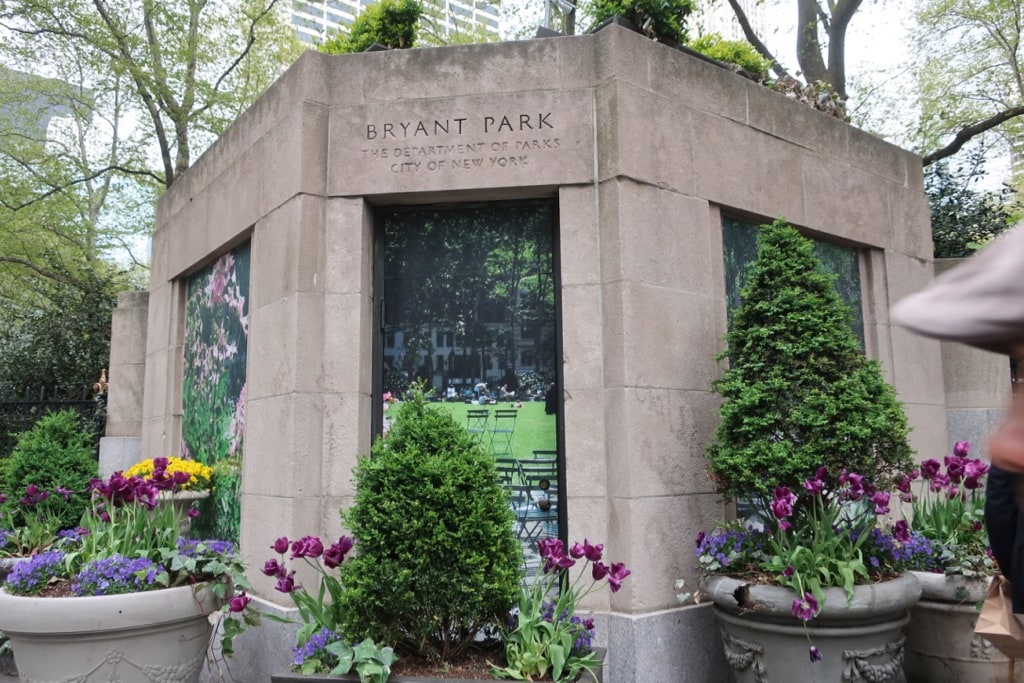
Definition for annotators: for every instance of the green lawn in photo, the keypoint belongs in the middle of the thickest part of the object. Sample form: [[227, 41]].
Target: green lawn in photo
[[534, 429]]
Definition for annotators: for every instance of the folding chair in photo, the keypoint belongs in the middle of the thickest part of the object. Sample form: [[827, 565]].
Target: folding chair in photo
[[539, 517], [476, 422], [502, 432]]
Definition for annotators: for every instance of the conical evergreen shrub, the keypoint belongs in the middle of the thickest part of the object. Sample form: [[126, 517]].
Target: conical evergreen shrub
[[437, 561], [799, 393]]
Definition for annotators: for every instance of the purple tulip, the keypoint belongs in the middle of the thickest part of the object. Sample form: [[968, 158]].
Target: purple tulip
[[814, 486], [273, 568], [281, 545], [592, 552], [962, 448], [856, 485], [938, 482], [930, 468], [955, 469], [901, 531], [239, 602], [815, 654], [782, 505], [335, 555], [345, 544], [880, 499], [975, 469], [616, 574], [806, 608], [286, 583], [552, 551], [307, 546]]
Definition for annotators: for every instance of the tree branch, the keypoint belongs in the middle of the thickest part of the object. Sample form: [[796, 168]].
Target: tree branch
[[755, 40], [836, 72], [121, 51], [966, 133], [45, 272], [808, 47], [249, 42], [78, 181]]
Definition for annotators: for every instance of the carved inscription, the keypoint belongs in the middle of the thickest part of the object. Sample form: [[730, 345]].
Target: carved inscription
[[461, 143]]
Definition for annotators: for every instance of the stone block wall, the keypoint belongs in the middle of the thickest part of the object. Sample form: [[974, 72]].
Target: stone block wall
[[645, 149], [977, 387]]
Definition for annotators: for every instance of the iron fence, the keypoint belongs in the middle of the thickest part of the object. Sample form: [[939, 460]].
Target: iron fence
[[21, 408]]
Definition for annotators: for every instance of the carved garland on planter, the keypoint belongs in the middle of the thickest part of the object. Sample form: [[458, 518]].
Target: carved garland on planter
[[858, 668], [742, 655], [981, 649], [155, 674]]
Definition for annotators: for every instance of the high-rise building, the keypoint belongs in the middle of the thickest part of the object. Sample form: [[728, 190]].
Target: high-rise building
[[315, 20]]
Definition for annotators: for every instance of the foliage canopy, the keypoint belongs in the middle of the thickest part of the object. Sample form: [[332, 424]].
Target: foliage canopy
[[963, 219], [664, 20], [391, 23], [737, 52]]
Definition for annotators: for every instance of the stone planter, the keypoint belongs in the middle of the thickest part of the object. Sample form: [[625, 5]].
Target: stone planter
[[7, 564], [148, 637], [862, 641], [182, 501], [941, 646], [290, 677]]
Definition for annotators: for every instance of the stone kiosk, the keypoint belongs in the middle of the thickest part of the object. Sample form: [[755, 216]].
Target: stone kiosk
[[644, 151]]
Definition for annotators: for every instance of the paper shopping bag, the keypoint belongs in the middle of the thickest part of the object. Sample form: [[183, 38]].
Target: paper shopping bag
[[997, 622]]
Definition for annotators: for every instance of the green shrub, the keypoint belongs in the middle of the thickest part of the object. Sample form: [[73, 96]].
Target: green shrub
[[799, 393], [58, 451], [738, 52], [664, 20], [391, 23], [437, 559]]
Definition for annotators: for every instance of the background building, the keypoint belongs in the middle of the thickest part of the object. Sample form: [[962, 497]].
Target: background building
[[315, 20]]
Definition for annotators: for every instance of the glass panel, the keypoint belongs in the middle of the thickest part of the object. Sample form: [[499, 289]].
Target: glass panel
[[739, 249], [469, 309], [213, 386]]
